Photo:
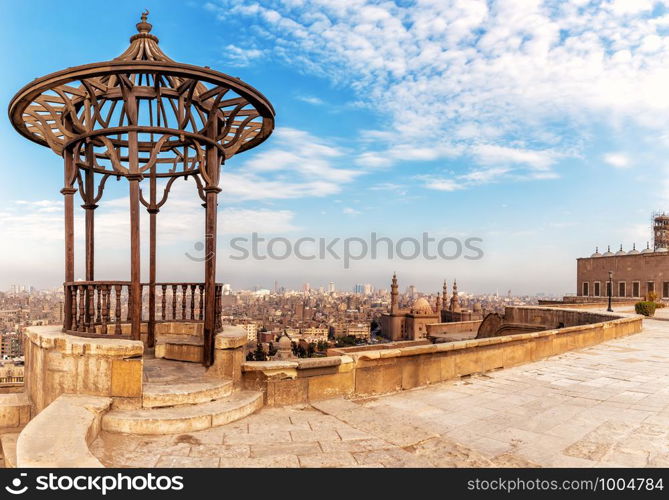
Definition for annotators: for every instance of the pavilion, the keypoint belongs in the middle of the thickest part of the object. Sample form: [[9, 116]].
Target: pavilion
[[150, 120]]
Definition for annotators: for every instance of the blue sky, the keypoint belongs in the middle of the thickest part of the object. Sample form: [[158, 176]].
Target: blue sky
[[540, 127]]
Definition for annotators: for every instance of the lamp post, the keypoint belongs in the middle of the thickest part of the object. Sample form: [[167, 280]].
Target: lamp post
[[610, 290]]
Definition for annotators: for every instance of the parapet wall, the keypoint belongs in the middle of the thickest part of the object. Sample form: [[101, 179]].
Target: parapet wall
[[57, 363], [367, 373], [454, 327], [579, 301]]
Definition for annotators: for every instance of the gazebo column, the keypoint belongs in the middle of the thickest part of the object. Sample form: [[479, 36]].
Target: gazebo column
[[134, 177], [211, 208], [89, 206], [135, 304], [90, 241], [68, 194], [151, 338]]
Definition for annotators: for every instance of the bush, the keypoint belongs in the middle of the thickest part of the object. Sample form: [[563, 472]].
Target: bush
[[660, 305], [651, 297], [646, 308]]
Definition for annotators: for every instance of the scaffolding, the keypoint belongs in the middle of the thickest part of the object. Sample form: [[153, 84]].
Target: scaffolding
[[660, 229]]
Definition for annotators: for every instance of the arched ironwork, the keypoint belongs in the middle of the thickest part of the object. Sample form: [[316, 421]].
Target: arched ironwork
[[145, 118]]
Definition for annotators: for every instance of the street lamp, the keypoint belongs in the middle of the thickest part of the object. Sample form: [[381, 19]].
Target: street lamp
[[610, 290]]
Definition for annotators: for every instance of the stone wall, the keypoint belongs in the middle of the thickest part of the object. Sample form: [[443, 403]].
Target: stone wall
[[456, 327], [338, 351], [57, 363], [533, 319], [574, 302], [380, 371]]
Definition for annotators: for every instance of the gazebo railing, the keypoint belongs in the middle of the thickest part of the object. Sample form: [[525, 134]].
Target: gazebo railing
[[100, 308]]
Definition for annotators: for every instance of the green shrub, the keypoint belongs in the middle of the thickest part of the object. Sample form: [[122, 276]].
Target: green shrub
[[646, 308]]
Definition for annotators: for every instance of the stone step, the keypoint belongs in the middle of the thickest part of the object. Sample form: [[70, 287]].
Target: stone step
[[180, 419], [156, 395], [8, 442], [179, 348]]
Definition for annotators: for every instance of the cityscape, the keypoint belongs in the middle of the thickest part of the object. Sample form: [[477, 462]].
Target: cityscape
[[310, 314], [186, 280]]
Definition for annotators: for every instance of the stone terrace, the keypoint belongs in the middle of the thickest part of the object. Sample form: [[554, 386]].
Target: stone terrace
[[607, 405]]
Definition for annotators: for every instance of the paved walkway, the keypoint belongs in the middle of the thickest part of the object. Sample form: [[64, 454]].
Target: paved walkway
[[607, 405]]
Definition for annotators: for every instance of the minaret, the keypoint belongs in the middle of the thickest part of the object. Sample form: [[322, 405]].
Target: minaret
[[438, 304], [444, 297], [393, 295], [455, 304]]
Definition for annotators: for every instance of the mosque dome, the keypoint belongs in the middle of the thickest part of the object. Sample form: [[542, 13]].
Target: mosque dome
[[608, 252], [621, 251], [596, 254], [285, 349], [422, 306], [661, 250], [634, 251], [647, 249]]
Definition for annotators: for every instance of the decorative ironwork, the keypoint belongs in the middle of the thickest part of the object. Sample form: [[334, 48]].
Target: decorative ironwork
[[145, 118]]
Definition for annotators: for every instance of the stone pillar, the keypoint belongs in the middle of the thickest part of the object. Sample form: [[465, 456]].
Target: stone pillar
[[228, 354]]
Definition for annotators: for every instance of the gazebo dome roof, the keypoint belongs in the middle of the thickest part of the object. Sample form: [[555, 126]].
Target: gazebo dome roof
[[177, 110]]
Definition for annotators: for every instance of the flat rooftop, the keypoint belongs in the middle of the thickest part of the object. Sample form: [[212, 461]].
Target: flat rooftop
[[606, 405]]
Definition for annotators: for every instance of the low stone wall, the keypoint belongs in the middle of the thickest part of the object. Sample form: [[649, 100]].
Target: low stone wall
[[57, 363], [454, 327], [580, 302], [338, 351], [15, 410], [383, 371], [528, 319], [60, 435]]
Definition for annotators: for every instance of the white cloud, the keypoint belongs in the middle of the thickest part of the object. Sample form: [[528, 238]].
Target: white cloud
[[491, 155], [440, 184], [351, 211], [485, 79], [239, 56], [298, 165], [622, 7], [617, 160], [309, 99]]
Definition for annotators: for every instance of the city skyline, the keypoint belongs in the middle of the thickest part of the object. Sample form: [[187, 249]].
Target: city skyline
[[543, 156]]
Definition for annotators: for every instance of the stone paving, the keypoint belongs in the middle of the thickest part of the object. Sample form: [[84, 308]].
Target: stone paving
[[607, 405]]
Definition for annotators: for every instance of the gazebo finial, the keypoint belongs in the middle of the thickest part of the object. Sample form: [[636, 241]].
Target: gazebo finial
[[143, 26]]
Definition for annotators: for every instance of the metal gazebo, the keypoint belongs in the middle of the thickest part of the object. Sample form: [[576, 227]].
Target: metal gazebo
[[150, 120]]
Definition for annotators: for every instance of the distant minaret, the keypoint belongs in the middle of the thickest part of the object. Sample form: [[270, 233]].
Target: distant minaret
[[393, 295], [455, 304], [444, 297], [438, 304]]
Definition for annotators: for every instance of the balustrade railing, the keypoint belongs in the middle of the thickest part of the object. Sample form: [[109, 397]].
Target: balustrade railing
[[102, 307]]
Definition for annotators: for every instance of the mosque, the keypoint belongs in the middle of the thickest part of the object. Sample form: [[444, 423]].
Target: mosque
[[411, 323]]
